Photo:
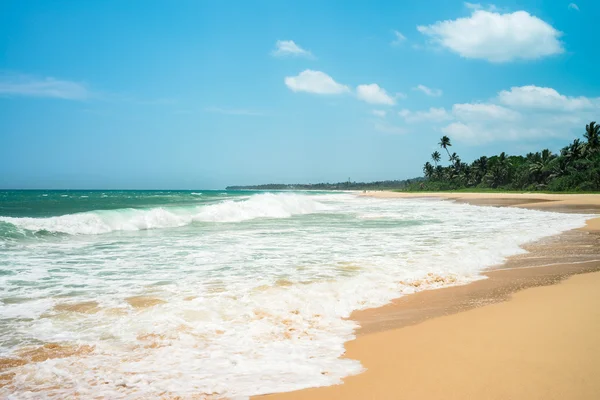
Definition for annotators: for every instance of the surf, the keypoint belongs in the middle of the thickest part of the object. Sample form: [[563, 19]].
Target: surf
[[266, 205]]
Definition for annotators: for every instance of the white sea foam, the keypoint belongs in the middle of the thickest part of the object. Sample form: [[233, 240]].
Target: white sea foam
[[260, 206], [248, 308], [97, 222]]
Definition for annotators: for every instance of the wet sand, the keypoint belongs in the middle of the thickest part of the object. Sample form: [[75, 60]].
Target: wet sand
[[36, 354], [515, 335]]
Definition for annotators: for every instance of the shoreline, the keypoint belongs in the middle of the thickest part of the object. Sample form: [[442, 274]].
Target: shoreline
[[549, 266]]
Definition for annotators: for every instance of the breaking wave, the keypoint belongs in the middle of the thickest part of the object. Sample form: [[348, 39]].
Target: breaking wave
[[265, 205]]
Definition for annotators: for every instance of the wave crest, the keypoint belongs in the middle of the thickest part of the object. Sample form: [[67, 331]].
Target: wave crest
[[265, 205]]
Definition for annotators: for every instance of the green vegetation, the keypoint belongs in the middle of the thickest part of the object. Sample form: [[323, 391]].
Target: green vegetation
[[380, 185], [575, 169]]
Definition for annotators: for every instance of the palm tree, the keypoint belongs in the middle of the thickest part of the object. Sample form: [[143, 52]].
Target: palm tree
[[592, 135], [559, 168], [481, 163], [547, 156], [540, 167], [445, 143], [439, 172], [428, 170], [574, 150], [454, 158], [480, 167], [436, 157], [503, 159], [497, 175], [458, 164], [465, 173]]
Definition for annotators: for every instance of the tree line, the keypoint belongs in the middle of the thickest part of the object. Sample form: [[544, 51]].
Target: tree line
[[348, 185], [575, 168]]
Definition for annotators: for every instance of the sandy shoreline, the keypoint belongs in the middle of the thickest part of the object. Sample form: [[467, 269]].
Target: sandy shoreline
[[509, 336]]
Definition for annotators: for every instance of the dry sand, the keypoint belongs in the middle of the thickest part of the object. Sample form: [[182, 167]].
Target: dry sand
[[581, 203], [512, 336]]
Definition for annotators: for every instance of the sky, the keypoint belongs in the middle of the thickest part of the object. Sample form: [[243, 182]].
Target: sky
[[149, 94]]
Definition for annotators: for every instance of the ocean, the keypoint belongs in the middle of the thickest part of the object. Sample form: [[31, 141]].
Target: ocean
[[159, 294]]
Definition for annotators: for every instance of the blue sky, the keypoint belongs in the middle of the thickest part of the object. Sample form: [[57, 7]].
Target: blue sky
[[204, 94]]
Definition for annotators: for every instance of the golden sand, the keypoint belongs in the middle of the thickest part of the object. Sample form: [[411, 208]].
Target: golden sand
[[87, 307], [38, 354], [144, 301], [6, 363], [53, 350], [42, 353], [524, 333], [581, 203], [542, 344]]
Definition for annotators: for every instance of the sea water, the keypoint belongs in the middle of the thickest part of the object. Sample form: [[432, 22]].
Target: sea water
[[212, 294]]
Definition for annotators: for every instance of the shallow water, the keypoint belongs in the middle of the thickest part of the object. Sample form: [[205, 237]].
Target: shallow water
[[147, 294]]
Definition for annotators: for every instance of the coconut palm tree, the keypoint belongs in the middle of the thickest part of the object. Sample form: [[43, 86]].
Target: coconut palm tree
[[497, 175], [439, 172], [458, 164], [540, 167], [480, 168], [503, 159], [428, 170], [547, 156], [559, 168], [481, 163], [436, 157], [454, 158], [574, 150], [592, 135], [445, 143]]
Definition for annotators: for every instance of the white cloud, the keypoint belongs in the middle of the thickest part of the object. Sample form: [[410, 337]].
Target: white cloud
[[543, 98], [483, 112], [290, 48], [315, 82], [429, 91], [374, 94], [465, 133], [379, 113], [433, 114], [527, 112], [478, 123], [28, 86], [521, 113], [496, 37], [233, 111], [400, 38], [573, 6], [477, 133]]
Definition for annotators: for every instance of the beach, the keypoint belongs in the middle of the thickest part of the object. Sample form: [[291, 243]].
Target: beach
[[529, 331], [231, 294]]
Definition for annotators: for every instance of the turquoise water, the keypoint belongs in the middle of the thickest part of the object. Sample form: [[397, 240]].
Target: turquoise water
[[50, 203], [183, 293]]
